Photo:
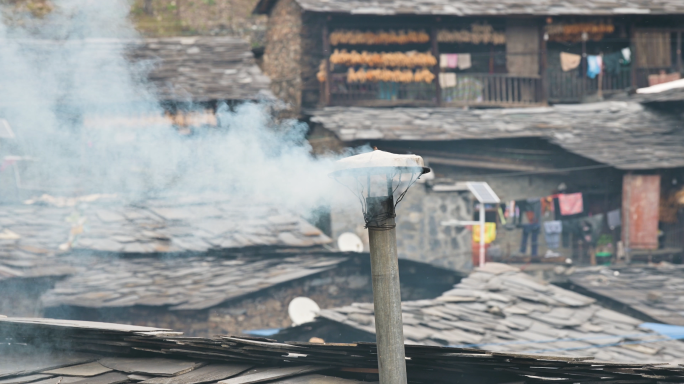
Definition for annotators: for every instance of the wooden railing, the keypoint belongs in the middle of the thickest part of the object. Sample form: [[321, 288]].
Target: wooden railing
[[379, 93], [470, 89], [572, 87], [493, 90]]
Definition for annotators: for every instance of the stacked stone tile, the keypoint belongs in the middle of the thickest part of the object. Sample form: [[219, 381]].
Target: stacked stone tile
[[488, 7], [625, 135], [45, 351], [499, 308], [202, 68], [654, 292], [180, 283], [35, 239]]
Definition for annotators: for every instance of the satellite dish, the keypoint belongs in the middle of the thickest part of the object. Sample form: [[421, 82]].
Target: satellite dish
[[302, 310], [349, 242]]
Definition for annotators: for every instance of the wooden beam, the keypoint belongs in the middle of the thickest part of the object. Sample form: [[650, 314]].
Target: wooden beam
[[436, 69], [489, 165], [542, 68], [632, 43], [679, 51], [326, 55]]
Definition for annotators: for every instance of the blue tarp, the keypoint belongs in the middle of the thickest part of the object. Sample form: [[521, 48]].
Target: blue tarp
[[262, 332], [673, 331]]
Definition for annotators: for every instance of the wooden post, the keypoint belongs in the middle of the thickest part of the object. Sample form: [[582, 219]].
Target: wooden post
[[491, 60], [436, 69], [679, 51], [632, 43], [542, 68], [584, 66], [600, 81], [326, 55]]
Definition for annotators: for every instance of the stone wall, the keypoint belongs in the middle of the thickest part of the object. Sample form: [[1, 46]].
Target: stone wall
[[20, 297], [283, 53], [420, 237], [155, 18], [267, 309]]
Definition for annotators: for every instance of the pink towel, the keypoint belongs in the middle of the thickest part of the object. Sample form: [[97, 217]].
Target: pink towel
[[571, 204], [452, 60]]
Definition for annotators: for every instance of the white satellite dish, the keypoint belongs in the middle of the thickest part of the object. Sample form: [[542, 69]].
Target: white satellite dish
[[302, 310], [349, 242]]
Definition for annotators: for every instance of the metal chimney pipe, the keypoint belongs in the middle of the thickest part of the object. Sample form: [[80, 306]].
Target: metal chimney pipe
[[386, 291]]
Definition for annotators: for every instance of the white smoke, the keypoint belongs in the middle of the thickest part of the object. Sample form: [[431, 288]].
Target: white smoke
[[59, 71]]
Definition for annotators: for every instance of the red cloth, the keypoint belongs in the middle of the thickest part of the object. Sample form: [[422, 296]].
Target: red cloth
[[571, 204]]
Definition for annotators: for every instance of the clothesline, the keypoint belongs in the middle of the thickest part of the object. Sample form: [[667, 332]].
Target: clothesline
[[559, 170]]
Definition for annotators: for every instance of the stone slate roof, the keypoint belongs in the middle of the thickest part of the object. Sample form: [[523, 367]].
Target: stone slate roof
[[654, 292], [34, 238], [676, 94], [203, 68], [189, 224], [183, 69], [625, 135], [180, 283], [46, 351], [500, 308], [486, 7]]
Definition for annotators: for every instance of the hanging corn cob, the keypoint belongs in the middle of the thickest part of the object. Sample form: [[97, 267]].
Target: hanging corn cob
[[373, 75], [424, 75], [394, 59], [478, 34], [355, 37]]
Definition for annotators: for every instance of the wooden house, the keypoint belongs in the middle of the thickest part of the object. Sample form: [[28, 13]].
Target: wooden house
[[510, 54]]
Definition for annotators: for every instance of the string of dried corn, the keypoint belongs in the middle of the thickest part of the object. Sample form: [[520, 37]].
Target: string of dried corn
[[465, 36], [355, 37], [383, 59]]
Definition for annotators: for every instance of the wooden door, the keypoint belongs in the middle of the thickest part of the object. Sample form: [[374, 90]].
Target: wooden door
[[640, 203]]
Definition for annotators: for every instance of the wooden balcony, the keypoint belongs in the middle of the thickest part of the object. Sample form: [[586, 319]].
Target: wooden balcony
[[485, 90], [572, 87], [493, 90]]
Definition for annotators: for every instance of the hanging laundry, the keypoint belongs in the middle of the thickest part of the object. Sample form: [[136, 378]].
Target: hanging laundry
[[547, 206], [502, 217], [447, 80], [552, 233], [531, 231], [614, 219], [611, 63], [626, 55], [591, 228], [571, 204], [443, 60], [452, 60], [569, 61], [464, 61], [570, 227], [593, 66], [529, 211], [490, 233]]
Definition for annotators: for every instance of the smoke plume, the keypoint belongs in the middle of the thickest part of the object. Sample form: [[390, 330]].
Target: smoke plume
[[66, 89]]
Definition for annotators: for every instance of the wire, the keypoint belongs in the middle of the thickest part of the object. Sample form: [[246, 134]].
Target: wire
[[559, 170]]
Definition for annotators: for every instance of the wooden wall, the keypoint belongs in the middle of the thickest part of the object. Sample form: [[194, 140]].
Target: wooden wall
[[522, 47]]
